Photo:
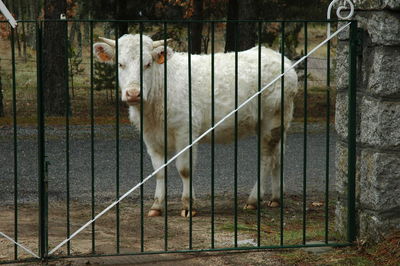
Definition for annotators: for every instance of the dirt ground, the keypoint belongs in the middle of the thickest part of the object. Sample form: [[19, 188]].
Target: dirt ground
[[154, 227]]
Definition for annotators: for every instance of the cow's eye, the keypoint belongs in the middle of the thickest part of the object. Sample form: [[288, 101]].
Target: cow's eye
[[121, 65], [147, 65]]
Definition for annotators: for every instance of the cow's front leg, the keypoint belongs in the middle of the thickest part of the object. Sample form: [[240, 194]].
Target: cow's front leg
[[183, 167], [159, 195]]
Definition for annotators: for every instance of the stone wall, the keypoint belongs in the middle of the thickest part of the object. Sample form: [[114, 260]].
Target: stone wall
[[378, 121]]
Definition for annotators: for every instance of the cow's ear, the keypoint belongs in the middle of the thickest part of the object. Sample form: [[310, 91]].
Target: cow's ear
[[159, 54], [103, 52]]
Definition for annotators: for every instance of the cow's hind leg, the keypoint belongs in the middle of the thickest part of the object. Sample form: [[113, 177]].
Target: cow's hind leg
[[275, 153], [270, 166], [183, 167], [157, 161]]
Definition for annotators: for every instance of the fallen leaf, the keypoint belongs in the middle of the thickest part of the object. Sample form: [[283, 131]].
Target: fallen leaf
[[317, 204]]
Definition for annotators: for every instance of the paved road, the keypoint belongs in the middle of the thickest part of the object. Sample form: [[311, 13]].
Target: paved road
[[105, 164]]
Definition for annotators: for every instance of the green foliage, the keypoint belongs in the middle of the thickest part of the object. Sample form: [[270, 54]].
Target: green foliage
[[288, 10], [74, 61], [104, 78], [1, 98]]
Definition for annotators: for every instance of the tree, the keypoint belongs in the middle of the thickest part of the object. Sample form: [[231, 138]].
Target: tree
[[4, 34], [243, 31], [55, 56], [121, 13], [196, 27], [104, 78], [1, 97], [75, 61]]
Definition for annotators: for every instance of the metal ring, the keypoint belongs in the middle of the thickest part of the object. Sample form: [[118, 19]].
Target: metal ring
[[344, 7]]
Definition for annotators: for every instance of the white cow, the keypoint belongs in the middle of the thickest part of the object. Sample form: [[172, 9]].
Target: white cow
[[178, 104]]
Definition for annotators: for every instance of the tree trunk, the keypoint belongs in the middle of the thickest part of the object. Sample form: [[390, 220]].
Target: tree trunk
[[197, 28], [55, 59], [230, 27], [1, 98], [72, 31], [206, 38], [121, 14], [245, 33], [86, 33], [24, 42]]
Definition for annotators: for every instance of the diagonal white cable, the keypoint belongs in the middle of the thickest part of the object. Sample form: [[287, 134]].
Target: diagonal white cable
[[19, 245], [195, 141]]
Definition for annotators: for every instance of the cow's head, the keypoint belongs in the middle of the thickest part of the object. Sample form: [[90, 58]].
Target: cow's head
[[129, 63]]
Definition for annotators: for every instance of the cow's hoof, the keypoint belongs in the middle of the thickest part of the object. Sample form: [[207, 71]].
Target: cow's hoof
[[250, 207], [154, 213], [273, 204], [186, 213]]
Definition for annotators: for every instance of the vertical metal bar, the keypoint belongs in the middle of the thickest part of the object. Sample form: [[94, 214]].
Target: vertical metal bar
[[328, 114], [282, 126], [236, 134], [41, 148], [67, 144], [212, 136], [259, 140], [117, 141], [165, 140], [351, 204], [305, 135], [141, 142], [14, 104], [190, 137], [92, 139]]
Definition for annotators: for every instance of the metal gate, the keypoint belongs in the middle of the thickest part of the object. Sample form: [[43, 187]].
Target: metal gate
[[55, 209]]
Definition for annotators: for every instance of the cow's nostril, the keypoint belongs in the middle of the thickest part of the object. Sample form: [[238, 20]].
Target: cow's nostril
[[132, 93], [132, 96]]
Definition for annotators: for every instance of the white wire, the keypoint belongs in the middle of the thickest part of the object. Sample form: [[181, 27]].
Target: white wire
[[194, 142], [20, 245], [7, 14]]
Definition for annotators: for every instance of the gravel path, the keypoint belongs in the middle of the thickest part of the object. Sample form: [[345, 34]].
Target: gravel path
[[105, 164]]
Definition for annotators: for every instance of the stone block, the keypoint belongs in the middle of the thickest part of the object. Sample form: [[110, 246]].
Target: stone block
[[341, 164], [342, 65], [374, 4], [341, 168], [341, 119], [383, 27], [380, 123], [373, 227], [384, 77], [344, 35], [341, 219], [380, 184], [341, 114], [341, 179]]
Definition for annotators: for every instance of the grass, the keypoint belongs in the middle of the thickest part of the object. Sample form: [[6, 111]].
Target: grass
[[386, 252], [293, 223]]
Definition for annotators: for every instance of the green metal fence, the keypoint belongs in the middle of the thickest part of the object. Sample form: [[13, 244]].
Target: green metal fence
[[41, 208]]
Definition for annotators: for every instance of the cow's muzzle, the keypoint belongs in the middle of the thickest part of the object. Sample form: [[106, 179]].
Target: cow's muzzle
[[132, 97]]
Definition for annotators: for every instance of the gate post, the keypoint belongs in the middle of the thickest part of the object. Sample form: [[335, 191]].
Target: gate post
[[351, 198], [42, 164]]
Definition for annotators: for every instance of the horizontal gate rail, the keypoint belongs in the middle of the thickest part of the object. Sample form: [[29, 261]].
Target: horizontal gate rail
[[180, 21]]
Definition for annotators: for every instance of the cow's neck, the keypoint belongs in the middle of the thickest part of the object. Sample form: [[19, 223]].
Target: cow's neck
[[152, 113]]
